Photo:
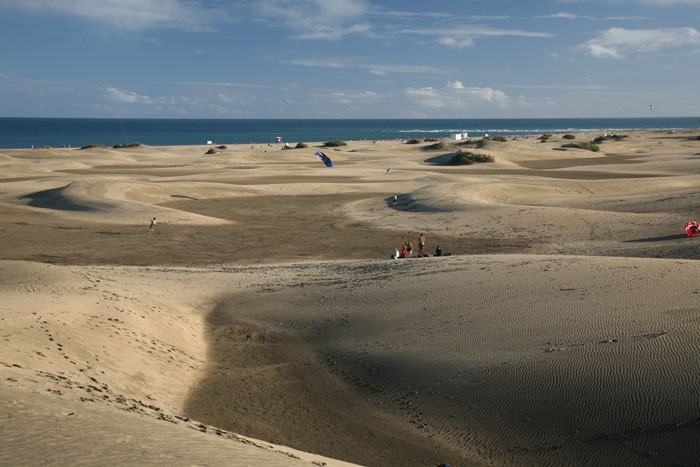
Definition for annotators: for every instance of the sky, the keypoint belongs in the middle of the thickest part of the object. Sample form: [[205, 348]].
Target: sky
[[349, 58]]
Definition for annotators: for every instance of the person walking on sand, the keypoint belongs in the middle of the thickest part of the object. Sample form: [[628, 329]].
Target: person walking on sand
[[421, 244], [152, 228], [396, 199]]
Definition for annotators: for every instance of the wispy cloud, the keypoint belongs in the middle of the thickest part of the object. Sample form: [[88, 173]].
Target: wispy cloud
[[465, 36], [564, 15], [222, 84], [457, 43], [615, 42], [455, 95], [131, 14], [557, 87], [316, 19], [377, 69], [126, 97], [487, 94], [627, 18]]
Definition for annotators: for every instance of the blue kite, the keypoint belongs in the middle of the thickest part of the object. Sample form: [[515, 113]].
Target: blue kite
[[325, 159]]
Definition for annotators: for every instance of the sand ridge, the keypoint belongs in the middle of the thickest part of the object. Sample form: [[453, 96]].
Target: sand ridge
[[265, 304]]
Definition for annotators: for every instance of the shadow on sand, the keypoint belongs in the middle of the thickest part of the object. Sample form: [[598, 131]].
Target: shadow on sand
[[658, 239]]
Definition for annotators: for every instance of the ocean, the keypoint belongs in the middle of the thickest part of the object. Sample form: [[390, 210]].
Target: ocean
[[77, 132]]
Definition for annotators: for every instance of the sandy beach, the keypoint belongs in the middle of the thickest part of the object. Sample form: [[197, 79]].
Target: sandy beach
[[264, 323]]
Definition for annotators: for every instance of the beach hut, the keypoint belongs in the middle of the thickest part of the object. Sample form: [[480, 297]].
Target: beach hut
[[459, 136]]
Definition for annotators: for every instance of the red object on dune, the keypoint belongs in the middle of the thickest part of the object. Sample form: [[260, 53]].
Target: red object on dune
[[692, 228]]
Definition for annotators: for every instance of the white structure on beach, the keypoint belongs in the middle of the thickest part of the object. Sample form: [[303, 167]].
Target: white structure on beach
[[459, 136]]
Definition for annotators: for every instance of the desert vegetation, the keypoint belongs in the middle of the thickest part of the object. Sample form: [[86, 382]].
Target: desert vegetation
[[498, 138], [603, 138], [589, 146], [438, 145], [467, 158], [335, 143]]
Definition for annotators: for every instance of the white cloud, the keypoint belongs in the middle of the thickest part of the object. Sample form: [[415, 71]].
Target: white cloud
[[565, 16], [627, 18], [465, 36], [456, 95], [615, 42], [379, 70], [127, 96], [488, 94], [422, 92], [316, 19], [458, 43], [222, 84], [131, 14]]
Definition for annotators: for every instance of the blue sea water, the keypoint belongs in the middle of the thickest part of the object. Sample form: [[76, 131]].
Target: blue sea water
[[76, 132]]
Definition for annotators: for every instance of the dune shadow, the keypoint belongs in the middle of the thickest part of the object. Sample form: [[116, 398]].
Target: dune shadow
[[658, 239], [54, 199], [442, 159]]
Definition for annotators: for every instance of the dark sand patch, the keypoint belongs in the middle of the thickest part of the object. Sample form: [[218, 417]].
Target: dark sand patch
[[270, 385], [578, 162], [268, 229], [565, 174]]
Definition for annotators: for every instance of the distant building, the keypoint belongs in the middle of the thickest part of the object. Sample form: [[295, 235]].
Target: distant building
[[459, 136]]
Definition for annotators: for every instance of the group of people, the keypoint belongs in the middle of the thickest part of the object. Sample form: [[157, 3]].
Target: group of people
[[407, 249]]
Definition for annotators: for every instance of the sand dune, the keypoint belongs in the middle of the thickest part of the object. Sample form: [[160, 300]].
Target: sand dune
[[563, 331]]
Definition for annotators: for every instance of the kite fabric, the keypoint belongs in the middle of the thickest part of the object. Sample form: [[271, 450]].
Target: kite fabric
[[692, 228], [323, 158]]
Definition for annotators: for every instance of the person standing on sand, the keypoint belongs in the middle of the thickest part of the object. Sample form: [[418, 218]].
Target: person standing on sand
[[152, 228], [396, 199], [410, 249], [421, 244]]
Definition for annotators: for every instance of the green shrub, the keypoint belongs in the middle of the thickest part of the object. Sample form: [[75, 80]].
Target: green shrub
[[47, 147], [129, 145], [545, 138], [499, 138], [413, 141], [221, 147], [91, 146], [467, 158], [602, 138], [211, 151], [590, 146], [569, 136], [430, 140], [337, 142], [438, 145], [301, 146]]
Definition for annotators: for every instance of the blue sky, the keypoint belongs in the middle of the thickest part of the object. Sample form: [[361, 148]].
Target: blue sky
[[349, 58]]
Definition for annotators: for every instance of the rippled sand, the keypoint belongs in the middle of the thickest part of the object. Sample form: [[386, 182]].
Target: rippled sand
[[563, 331]]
